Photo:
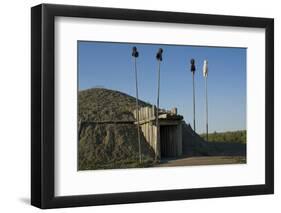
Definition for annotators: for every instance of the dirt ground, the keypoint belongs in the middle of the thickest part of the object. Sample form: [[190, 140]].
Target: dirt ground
[[195, 161]]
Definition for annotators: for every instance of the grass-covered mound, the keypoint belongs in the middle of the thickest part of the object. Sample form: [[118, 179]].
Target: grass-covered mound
[[109, 145], [99, 104], [112, 146]]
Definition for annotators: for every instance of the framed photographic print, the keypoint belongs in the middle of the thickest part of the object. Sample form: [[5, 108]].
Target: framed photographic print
[[139, 106]]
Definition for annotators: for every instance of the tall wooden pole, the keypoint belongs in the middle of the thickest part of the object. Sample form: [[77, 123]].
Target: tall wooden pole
[[193, 83], [135, 55], [157, 148], [157, 114], [205, 74], [206, 94], [192, 69]]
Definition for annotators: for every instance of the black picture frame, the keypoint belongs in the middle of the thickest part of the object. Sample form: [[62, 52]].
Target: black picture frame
[[43, 102]]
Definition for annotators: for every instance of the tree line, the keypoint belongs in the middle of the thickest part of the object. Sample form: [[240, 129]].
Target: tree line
[[230, 136]]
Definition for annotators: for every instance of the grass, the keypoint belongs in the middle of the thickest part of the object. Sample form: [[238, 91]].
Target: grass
[[99, 104], [227, 137], [111, 145]]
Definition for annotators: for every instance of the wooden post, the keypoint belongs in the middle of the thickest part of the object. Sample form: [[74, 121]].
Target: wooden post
[[157, 157], [206, 93], [192, 69], [137, 107], [194, 127], [135, 55], [205, 74], [157, 151]]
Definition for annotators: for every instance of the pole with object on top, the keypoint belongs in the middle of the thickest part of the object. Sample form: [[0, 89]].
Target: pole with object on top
[[135, 54], [205, 74], [192, 69], [157, 148]]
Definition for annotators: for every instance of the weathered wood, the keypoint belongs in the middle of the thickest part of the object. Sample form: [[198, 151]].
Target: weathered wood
[[107, 122], [169, 139], [179, 135]]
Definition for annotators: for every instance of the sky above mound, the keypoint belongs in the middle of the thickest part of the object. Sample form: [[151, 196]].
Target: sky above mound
[[110, 65]]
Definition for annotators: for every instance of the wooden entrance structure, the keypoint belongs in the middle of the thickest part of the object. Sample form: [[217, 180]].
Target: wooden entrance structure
[[168, 143]]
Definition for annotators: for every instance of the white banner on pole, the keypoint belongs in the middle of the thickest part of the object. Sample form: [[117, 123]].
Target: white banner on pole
[[205, 68]]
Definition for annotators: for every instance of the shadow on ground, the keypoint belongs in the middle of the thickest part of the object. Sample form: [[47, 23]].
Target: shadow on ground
[[194, 145], [25, 200]]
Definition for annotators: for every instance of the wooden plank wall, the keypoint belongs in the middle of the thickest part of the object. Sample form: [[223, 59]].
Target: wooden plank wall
[[146, 113], [173, 135], [150, 134], [168, 141], [171, 140], [179, 139]]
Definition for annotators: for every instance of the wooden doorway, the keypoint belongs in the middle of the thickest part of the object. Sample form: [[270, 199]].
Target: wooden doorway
[[168, 141]]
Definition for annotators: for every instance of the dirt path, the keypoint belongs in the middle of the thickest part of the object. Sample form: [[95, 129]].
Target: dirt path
[[194, 161]]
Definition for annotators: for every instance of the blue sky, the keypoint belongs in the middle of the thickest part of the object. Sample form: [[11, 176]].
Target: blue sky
[[110, 65]]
